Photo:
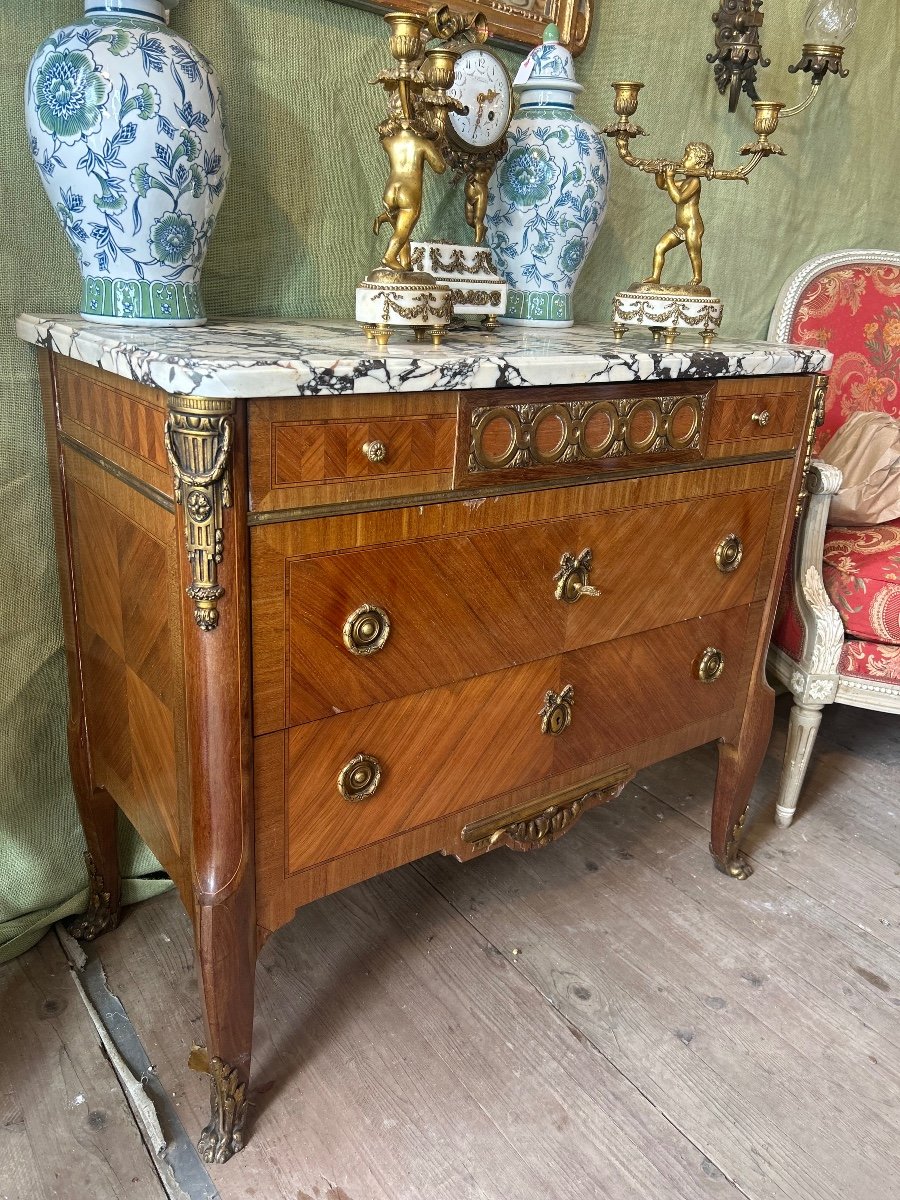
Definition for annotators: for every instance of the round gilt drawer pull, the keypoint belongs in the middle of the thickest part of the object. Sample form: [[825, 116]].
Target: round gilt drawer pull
[[573, 577], [556, 715], [762, 418], [366, 630], [729, 553], [709, 665], [375, 452], [359, 777]]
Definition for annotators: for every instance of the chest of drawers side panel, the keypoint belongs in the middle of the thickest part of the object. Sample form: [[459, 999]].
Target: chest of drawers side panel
[[120, 549]]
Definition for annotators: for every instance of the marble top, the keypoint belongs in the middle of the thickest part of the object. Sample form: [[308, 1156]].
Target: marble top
[[263, 357]]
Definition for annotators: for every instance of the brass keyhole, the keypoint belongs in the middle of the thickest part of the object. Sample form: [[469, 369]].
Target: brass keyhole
[[729, 553], [556, 715], [573, 577], [366, 630], [359, 777]]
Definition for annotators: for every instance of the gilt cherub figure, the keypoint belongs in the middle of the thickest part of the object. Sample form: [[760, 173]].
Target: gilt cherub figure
[[408, 149], [662, 307]]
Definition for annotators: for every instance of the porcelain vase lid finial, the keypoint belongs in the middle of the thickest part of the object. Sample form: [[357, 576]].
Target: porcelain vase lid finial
[[130, 8], [548, 71]]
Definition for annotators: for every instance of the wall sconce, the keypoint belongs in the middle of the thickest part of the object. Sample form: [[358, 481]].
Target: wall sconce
[[828, 24]]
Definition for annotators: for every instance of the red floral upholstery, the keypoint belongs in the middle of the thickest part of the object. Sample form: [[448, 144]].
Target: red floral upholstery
[[870, 660], [854, 311], [861, 570]]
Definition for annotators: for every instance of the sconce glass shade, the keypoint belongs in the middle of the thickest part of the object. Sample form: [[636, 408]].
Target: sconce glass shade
[[830, 22]]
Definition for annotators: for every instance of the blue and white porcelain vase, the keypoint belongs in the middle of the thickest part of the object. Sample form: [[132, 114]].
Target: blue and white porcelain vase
[[128, 132], [547, 198]]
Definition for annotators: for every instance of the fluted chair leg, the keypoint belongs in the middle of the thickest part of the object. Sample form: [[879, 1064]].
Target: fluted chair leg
[[804, 724]]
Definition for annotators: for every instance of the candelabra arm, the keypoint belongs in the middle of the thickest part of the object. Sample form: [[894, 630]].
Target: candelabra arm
[[740, 172], [650, 165], [798, 108]]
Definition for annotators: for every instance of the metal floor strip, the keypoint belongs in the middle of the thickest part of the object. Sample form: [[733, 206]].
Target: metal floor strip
[[179, 1166]]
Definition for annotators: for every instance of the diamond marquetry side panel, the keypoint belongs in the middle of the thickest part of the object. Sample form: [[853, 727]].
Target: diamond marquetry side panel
[[123, 559]]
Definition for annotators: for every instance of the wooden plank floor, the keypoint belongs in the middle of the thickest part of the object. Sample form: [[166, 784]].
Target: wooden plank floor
[[607, 1018]]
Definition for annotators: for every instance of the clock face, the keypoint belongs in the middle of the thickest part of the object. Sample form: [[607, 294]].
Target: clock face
[[482, 84]]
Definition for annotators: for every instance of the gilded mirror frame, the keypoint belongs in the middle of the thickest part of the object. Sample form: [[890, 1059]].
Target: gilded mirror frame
[[515, 26]]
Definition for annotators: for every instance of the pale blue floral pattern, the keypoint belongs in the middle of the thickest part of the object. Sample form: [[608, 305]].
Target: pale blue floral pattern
[[128, 133]]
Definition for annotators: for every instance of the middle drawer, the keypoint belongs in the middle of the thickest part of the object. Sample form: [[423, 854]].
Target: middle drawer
[[369, 625]]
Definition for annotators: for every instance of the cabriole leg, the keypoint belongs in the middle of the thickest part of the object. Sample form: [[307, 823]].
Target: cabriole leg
[[206, 444], [739, 764], [226, 957]]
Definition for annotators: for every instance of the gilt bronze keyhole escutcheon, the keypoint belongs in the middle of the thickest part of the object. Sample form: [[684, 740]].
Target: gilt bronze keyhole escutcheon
[[556, 715], [729, 553], [573, 577], [359, 777], [709, 665], [366, 630]]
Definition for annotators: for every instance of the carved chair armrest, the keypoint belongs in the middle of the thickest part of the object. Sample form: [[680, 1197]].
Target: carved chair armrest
[[822, 626]]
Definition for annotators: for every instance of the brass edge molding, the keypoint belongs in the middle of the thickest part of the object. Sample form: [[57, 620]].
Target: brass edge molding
[[281, 516], [147, 490], [536, 824], [816, 417], [198, 438]]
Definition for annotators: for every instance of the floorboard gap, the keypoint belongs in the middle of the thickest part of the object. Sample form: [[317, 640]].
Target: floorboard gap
[[179, 1167]]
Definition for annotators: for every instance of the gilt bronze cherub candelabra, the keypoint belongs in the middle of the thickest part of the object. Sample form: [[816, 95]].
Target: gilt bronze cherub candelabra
[[421, 286], [394, 294], [666, 308]]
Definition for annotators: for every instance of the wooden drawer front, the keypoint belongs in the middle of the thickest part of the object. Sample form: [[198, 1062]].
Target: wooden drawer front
[[299, 459], [444, 750], [474, 603], [753, 419]]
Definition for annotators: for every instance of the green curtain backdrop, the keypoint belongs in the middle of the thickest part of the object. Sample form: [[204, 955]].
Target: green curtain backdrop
[[294, 239]]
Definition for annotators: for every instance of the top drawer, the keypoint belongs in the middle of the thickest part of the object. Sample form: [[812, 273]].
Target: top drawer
[[753, 416], [323, 451]]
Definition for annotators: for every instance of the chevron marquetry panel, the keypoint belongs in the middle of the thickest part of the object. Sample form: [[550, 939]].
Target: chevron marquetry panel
[[466, 605], [443, 750]]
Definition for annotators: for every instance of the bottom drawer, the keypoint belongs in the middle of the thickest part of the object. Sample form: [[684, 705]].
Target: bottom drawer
[[359, 777]]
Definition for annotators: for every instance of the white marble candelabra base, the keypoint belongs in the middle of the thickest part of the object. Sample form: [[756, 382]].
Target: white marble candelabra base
[[665, 312], [469, 272], [383, 305]]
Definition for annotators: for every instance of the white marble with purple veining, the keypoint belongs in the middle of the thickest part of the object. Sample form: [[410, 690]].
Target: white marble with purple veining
[[262, 357]]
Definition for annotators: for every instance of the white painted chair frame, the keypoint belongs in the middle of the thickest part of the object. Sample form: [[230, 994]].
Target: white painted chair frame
[[814, 680]]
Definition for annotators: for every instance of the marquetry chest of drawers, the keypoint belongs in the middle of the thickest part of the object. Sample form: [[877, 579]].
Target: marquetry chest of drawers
[[329, 610]]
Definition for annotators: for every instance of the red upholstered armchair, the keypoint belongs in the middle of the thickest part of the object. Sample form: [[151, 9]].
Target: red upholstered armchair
[[837, 632]]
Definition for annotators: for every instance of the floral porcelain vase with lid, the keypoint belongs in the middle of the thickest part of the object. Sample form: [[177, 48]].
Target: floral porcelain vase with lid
[[128, 132], [547, 198]]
